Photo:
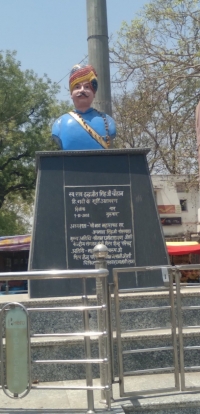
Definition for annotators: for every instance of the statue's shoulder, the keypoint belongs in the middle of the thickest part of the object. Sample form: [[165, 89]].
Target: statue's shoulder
[[60, 123], [62, 118]]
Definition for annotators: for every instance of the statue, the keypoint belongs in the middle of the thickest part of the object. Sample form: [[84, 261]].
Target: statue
[[85, 128]]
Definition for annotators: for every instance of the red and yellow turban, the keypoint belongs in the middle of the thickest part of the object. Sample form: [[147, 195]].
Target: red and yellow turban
[[83, 74]]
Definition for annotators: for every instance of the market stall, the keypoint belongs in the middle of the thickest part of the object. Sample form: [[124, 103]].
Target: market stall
[[181, 253]]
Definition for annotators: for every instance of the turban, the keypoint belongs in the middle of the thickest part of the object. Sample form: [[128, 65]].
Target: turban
[[80, 74]]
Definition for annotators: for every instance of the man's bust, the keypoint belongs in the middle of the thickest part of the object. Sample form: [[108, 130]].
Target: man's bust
[[84, 128]]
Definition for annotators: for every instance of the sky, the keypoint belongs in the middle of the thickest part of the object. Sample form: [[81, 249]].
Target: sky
[[50, 36]]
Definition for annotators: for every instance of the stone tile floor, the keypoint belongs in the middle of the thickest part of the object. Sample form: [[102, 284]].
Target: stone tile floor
[[75, 402]]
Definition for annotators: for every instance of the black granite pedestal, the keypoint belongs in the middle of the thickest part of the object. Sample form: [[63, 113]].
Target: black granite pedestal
[[88, 197]]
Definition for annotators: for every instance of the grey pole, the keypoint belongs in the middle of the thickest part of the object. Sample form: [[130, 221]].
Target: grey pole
[[89, 378], [100, 252], [98, 52]]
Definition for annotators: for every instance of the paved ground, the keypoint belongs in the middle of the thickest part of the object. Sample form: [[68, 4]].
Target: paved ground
[[56, 401], [75, 402]]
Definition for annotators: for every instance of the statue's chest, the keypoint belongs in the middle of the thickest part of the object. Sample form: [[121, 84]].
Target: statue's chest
[[96, 123]]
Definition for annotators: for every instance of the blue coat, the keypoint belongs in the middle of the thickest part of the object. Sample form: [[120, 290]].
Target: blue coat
[[70, 135]]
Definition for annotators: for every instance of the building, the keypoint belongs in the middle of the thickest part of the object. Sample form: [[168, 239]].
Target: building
[[177, 199]]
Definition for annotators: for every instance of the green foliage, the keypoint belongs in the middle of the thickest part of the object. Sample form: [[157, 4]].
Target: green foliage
[[28, 107], [15, 216], [158, 65], [11, 223]]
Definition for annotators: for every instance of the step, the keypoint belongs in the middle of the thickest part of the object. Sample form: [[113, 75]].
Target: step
[[73, 348], [159, 317], [46, 322]]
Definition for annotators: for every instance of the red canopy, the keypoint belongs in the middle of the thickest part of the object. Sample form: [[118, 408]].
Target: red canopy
[[183, 248]]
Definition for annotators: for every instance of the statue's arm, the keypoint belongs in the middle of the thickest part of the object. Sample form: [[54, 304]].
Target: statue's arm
[[55, 133]]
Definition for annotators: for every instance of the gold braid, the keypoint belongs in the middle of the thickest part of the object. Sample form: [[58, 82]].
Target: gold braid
[[105, 138]]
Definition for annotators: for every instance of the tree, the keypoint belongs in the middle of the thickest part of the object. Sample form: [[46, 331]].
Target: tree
[[28, 107], [15, 217], [158, 65]]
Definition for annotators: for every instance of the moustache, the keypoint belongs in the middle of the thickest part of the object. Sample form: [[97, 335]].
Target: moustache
[[82, 94]]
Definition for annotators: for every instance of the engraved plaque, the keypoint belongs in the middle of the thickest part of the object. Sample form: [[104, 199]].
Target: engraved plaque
[[99, 214]]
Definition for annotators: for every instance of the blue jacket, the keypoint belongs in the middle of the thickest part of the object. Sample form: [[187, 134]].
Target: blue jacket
[[70, 135]]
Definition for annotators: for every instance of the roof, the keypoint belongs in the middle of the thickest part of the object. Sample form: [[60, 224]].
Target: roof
[[15, 243], [180, 248]]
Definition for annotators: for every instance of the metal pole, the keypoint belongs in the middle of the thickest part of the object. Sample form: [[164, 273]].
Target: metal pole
[[110, 328], [173, 329], [89, 379], [118, 333], [106, 342], [100, 252], [98, 52], [180, 329]]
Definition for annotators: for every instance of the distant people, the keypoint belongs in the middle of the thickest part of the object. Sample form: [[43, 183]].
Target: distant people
[[84, 128]]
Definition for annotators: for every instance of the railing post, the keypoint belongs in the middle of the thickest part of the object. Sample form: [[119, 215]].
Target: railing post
[[100, 252], [89, 378], [173, 328], [180, 328]]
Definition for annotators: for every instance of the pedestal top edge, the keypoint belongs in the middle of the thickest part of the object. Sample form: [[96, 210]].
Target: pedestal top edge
[[128, 151]]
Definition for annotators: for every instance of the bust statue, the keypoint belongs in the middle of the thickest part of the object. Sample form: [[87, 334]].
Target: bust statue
[[84, 128]]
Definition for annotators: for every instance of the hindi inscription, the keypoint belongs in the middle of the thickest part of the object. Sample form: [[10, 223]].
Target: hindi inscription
[[100, 214]]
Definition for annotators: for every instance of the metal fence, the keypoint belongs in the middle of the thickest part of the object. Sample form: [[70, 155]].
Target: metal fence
[[102, 333], [174, 292], [184, 329], [135, 311]]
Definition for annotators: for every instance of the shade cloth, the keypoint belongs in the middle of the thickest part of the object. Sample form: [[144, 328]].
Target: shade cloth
[[180, 248]]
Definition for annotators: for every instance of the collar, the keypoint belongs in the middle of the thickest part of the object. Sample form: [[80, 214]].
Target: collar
[[86, 112]]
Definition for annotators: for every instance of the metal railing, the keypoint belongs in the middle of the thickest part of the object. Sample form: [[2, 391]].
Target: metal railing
[[173, 292], [183, 328], [179, 331], [100, 274], [168, 277]]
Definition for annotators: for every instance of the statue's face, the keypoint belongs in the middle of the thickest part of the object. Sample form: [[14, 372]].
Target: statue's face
[[82, 96]]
